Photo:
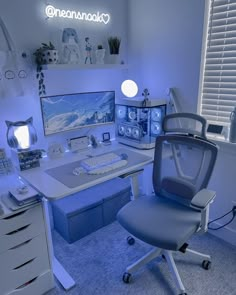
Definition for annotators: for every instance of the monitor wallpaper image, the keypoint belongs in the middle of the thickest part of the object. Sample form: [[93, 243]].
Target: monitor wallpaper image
[[71, 111]]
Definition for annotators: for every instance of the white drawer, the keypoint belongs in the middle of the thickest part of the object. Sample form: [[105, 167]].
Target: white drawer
[[22, 235], [37, 286], [17, 256], [22, 275], [21, 219]]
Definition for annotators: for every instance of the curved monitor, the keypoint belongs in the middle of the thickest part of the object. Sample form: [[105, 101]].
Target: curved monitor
[[71, 111]]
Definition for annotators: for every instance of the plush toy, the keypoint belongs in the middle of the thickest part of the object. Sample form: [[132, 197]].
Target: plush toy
[[71, 50]]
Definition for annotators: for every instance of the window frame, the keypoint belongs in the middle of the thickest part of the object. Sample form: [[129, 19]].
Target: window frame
[[222, 141]]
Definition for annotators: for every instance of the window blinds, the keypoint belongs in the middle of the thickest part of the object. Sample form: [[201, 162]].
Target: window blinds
[[218, 96]]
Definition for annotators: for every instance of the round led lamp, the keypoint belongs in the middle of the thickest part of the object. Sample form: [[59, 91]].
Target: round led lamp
[[129, 88]]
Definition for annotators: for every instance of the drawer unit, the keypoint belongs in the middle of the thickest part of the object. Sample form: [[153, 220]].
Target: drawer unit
[[25, 266], [37, 286], [20, 219], [16, 257], [20, 235], [21, 275]]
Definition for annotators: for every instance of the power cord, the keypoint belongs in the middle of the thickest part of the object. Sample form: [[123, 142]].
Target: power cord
[[233, 210]]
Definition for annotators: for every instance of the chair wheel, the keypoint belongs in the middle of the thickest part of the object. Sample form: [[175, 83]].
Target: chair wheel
[[130, 240], [206, 264], [127, 277]]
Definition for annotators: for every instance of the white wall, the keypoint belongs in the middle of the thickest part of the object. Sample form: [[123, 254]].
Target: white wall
[[28, 26], [165, 42], [165, 47]]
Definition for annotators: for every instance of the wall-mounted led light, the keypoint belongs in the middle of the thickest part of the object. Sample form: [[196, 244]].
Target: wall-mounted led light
[[98, 17], [129, 88], [21, 135]]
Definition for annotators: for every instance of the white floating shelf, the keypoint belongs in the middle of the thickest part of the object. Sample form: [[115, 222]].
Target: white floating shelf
[[84, 67]]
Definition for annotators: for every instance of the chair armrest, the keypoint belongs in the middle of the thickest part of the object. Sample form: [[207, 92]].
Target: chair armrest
[[203, 198], [132, 173]]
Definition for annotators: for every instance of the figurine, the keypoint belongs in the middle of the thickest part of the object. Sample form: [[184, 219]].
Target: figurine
[[145, 94], [71, 50], [88, 50]]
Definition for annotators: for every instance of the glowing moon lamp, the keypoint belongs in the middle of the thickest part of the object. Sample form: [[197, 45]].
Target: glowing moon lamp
[[129, 88]]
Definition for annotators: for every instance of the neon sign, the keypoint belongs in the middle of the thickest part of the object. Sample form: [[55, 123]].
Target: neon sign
[[97, 17]]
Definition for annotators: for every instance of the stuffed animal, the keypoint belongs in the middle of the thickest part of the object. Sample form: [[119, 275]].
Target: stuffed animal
[[71, 50]]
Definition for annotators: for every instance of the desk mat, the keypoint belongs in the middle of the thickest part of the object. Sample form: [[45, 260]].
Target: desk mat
[[64, 173]]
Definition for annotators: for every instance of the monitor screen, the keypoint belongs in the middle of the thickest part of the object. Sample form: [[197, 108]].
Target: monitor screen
[[71, 111]]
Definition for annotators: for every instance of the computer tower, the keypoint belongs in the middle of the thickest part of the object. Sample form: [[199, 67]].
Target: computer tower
[[139, 121]]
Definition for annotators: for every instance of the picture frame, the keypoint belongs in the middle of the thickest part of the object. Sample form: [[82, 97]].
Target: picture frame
[[106, 138]]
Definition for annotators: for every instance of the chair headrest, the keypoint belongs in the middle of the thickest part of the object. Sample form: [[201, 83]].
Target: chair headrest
[[185, 123]]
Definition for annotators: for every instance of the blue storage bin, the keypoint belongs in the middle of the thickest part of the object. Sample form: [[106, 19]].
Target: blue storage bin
[[113, 203], [82, 213]]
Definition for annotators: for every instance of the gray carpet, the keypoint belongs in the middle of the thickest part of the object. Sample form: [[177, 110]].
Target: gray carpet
[[98, 261]]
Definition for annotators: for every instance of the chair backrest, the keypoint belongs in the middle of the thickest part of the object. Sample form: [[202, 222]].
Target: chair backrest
[[184, 159]]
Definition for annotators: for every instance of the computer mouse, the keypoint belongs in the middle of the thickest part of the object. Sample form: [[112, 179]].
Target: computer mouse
[[123, 156], [78, 170]]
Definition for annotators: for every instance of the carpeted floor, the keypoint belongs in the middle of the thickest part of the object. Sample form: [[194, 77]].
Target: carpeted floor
[[97, 263]]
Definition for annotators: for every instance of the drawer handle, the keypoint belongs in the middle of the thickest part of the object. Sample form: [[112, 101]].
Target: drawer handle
[[26, 284], [20, 245], [31, 260], [17, 230], [14, 215]]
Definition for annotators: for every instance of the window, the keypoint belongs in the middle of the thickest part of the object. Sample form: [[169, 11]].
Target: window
[[218, 86]]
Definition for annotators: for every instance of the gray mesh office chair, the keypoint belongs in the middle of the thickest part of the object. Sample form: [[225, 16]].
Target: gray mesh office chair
[[183, 163]]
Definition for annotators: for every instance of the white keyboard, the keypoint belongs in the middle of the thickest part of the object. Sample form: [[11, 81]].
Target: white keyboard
[[107, 168], [100, 161]]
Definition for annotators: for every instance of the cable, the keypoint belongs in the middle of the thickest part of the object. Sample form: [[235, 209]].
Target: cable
[[220, 217], [227, 223]]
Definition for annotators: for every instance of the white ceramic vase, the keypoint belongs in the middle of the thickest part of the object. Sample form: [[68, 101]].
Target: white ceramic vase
[[100, 54], [114, 59], [50, 56]]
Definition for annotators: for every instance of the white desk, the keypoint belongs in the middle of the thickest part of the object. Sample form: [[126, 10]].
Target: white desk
[[52, 189]]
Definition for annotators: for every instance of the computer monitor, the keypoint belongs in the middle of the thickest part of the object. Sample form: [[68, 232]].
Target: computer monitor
[[71, 111]]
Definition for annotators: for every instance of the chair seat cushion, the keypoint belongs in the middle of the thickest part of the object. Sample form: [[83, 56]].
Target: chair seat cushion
[[159, 221]]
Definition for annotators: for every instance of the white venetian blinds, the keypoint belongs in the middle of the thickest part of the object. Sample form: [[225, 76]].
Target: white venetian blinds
[[218, 96]]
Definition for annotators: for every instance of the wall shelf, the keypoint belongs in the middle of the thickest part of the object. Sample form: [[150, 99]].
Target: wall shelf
[[84, 67]]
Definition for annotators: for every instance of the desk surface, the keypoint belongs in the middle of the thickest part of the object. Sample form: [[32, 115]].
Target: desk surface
[[53, 189]]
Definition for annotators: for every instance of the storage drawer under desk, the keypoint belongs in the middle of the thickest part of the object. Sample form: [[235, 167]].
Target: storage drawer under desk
[[20, 219], [21, 235]]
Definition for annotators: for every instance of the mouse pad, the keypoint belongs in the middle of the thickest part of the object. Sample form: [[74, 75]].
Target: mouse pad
[[64, 173]]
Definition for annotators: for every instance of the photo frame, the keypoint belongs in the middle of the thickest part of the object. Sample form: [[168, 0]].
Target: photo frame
[[106, 137]]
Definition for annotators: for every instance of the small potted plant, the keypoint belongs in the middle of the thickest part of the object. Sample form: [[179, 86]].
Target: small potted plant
[[100, 54], [114, 47], [46, 54]]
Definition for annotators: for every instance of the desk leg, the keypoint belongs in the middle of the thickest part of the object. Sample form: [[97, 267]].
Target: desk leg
[[147, 180], [60, 273], [134, 186]]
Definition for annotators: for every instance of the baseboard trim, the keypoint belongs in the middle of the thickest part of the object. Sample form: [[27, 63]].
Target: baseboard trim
[[227, 234]]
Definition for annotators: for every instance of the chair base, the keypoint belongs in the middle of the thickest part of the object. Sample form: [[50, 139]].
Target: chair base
[[156, 252]]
